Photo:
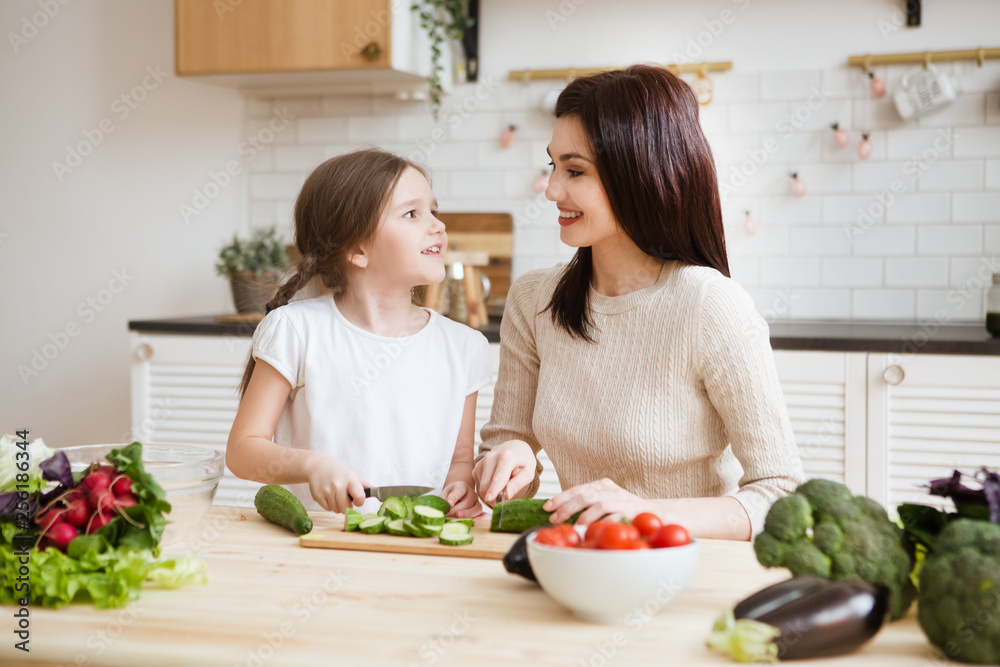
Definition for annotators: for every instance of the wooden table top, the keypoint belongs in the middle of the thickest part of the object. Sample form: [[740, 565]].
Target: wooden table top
[[269, 601]]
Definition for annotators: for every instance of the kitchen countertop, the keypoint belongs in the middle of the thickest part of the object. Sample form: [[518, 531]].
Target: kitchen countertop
[[270, 602], [833, 336]]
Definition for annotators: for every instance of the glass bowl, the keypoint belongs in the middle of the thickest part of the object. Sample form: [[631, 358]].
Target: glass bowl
[[189, 474]]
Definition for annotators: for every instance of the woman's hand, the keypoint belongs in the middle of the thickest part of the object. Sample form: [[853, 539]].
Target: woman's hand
[[334, 485], [463, 499], [596, 500], [509, 467]]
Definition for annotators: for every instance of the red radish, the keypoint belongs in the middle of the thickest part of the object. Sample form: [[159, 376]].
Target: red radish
[[48, 519], [100, 520], [77, 512], [121, 486], [61, 535], [98, 479], [128, 500], [100, 500]]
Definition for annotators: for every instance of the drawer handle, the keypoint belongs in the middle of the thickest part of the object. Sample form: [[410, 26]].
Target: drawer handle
[[893, 375], [144, 352]]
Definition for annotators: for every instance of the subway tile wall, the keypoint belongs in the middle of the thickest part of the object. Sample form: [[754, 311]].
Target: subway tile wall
[[911, 233]]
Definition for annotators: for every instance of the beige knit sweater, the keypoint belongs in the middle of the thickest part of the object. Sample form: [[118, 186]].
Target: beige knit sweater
[[677, 398]]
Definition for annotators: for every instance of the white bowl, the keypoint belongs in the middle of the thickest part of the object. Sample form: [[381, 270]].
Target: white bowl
[[618, 586], [189, 474]]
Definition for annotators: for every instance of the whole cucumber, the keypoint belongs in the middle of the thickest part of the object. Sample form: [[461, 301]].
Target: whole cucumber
[[521, 514], [278, 505]]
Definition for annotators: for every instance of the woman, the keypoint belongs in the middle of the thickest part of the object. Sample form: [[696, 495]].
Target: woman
[[640, 367]]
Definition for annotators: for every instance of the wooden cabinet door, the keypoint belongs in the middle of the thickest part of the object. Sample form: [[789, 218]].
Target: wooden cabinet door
[[825, 395], [927, 416], [247, 36]]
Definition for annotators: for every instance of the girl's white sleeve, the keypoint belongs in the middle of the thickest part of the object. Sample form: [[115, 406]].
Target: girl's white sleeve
[[480, 366], [278, 343]]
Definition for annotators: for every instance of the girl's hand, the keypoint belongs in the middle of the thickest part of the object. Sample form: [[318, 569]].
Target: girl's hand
[[463, 499], [598, 499], [334, 485], [509, 467]]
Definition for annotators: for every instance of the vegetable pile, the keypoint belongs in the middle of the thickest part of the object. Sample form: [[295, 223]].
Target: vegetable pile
[[959, 603], [825, 530], [413, 516], [94, 536]]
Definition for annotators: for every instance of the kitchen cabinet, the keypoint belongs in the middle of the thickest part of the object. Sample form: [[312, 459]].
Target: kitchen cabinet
[[184, 391], [291, 44], [885, 424]]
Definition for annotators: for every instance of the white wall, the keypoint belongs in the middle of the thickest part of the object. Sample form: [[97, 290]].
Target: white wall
[[63, 240], [922, 256]]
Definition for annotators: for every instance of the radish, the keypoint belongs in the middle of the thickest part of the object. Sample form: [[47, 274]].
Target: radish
[[121, 486], [77, 512], [99, 520], [61, 534], [100, 499], [49, 519], [99, 479], [128, 500]]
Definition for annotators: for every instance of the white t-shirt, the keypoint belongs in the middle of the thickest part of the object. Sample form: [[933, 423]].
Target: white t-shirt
[[390, 408]]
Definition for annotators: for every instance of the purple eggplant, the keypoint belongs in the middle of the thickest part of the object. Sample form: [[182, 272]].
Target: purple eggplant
[[516, 561], [802, 617]]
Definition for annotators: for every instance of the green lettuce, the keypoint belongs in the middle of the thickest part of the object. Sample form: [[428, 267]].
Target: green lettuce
[[35, 454]]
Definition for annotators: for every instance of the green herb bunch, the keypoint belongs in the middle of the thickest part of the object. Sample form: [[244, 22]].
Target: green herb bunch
[[264, 251]]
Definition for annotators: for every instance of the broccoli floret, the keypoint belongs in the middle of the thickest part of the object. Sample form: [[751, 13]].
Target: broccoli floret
[[959, 607], [823, 529]]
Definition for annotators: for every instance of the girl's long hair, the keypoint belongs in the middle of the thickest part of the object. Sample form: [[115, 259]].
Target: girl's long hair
[[337, 211], [657, 169]]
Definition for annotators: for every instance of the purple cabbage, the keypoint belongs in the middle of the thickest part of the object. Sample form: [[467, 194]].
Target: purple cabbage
[[978, 503], [56, 468]]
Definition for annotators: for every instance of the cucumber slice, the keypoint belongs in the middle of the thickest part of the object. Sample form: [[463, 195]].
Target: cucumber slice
[[352, 519], [415, 530], [464, 522], [372, 526], [408, 507], [394, 508], [395, 527], [455, 535], [432, 531], [437, 502], [428, 516]]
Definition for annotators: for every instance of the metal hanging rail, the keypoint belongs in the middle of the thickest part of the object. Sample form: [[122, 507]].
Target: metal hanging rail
[[572, 73], [923, 57]]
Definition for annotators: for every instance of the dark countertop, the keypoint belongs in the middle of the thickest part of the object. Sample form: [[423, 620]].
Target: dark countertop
[[833, 336]]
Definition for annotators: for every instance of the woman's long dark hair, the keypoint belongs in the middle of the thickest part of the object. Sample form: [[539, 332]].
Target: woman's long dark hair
[[657, 169]]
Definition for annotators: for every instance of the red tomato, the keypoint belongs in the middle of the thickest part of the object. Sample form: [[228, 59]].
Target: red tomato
[[647, 523], [569, 534], [619, 536], [670, 535], [593, 533], [555, 537]]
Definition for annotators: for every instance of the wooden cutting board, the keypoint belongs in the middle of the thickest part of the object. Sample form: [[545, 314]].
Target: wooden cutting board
[[328, 533]]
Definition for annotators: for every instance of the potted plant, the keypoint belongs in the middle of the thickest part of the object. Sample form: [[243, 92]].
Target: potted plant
[[253, 267], [442, 20]]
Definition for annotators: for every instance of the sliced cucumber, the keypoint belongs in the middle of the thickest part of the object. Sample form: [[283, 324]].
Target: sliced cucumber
[[437, 502], [395, 527], [415, 530], [352, 519], [464, 522], [428, 516], [432, 531], [394, 508], [408, 507], [455, 535], [372, 526]]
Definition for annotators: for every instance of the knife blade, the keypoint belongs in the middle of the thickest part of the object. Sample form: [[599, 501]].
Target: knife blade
[[383, 492]]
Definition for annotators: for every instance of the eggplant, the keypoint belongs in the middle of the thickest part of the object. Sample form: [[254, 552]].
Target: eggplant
[[515, 560], [800, 618]]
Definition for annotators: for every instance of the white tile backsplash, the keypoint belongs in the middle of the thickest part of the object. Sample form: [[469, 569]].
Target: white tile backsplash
[[897, 236]]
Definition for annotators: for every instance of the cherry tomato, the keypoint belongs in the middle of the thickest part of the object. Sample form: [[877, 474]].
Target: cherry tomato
[[619, 536], [593, 533], [670, 535], [559, 536], [647, 523]]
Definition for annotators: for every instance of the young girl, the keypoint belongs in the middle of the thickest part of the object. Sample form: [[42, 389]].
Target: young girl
[[360, 387]]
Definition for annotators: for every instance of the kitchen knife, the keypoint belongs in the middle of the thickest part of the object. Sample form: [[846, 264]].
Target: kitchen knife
[[383, 492]]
